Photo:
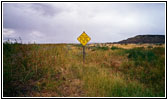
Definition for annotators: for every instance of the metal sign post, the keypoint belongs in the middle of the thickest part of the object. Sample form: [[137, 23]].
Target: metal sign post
[[83, 39], [83, 54]]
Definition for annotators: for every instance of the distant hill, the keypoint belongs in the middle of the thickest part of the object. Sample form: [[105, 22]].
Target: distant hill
[[145, 39]]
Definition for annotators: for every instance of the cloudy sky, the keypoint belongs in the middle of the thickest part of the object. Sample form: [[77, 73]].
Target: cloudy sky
[[63, 22]]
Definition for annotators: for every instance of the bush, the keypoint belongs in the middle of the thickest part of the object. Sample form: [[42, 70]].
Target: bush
[[99, 48], [114, 48], [140, 55], [103, 48]]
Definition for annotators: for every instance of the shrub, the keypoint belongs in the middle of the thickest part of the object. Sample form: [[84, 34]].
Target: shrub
[[114, 48], [103, 48], [140, 55], [99, 48]]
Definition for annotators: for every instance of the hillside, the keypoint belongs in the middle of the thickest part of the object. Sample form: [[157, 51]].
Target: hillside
[[145, 39]]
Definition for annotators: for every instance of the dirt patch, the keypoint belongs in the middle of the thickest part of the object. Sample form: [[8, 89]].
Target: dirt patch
[[73, 89]]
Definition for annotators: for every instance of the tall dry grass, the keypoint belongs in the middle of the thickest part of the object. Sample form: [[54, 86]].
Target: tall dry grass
[[57, 70]]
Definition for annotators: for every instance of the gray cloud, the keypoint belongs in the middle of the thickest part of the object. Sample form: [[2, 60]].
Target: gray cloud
[[64, 22], [45, 9]]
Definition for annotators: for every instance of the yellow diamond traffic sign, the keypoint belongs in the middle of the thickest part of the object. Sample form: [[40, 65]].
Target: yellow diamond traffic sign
[[84, 38]]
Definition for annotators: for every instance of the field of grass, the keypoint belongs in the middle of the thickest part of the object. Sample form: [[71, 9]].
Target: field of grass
[[57, 70]]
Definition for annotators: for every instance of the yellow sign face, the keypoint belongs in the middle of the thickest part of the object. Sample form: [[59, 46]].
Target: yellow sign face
[[84, 38]]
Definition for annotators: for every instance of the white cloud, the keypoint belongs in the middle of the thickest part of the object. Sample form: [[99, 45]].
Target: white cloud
[[36, 36], [8, 32]]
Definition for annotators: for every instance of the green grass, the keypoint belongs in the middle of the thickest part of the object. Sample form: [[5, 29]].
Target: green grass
[[104, 48], [57, 70], [115, 48], [147, 67], [103, 84]]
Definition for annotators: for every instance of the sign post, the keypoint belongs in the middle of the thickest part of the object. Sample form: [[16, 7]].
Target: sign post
[[83, 54], [84, 39]]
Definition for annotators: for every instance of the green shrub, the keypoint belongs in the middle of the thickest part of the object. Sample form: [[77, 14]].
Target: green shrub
[[114, 48], [99, 48], [103, 48], [140, 55]]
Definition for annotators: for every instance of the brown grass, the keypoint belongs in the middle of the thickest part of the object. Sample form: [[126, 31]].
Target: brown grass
[[58, 71]]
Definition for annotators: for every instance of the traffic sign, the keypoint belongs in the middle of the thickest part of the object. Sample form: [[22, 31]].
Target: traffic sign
[[84, 38]]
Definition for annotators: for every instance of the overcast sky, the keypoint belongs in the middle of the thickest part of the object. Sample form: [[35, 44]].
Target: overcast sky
[[64, 22]]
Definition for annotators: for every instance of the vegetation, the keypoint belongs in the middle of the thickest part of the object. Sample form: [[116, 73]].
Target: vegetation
[[57, 70], [114, 48], [94, 48]]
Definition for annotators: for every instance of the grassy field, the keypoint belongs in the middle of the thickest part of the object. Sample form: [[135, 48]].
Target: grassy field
[[56, 70]]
